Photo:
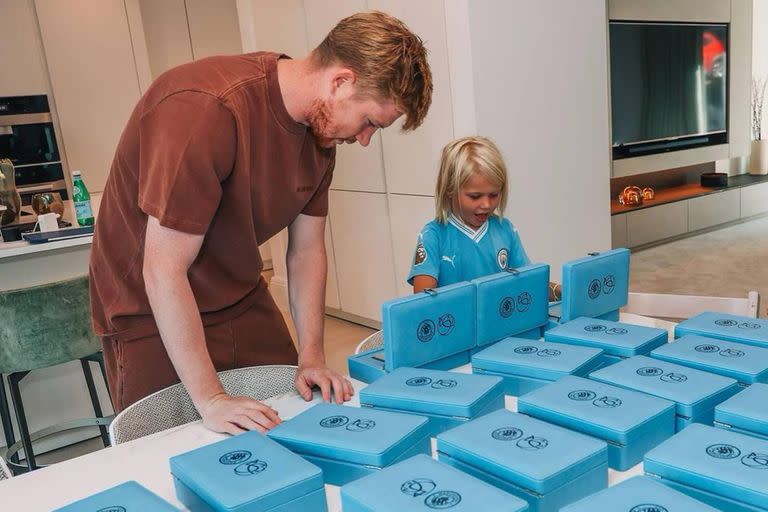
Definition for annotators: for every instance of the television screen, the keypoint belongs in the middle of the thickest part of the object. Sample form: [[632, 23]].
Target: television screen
[[669, 86]]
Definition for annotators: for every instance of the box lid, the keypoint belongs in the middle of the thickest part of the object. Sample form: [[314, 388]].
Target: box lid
[[615, 338], [693, 391], [745, 363], [422, 483], [537, 359], [608, 412], [443, 393], [639, 494], [127, 496], [427, 326], [512, 302], [530, 453], [247, 469], [746, 410], [595, 285], [716, 460], [351, 434], [753, 331]]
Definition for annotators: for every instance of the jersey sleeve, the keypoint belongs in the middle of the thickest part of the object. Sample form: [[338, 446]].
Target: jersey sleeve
[[426, 257]]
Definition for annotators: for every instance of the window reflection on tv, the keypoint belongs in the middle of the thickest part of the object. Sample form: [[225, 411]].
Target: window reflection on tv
[[668, 86]]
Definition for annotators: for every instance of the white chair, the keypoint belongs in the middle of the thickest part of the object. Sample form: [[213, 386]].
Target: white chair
[[5, 473], [375, 340], [172, 406], [664, 305]]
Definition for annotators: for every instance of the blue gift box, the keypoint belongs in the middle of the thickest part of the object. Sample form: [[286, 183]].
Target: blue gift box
[[629, 421], [527, 365], [448, 399], [695, 393], [247, 473], [127, 496], [723, 469], [595, 286], [618, 340], [350, 442], [369, 366], [741, 329], [745, 363], [546, 465], [639, 494], [421, 483], [511, 302], [745, 412]]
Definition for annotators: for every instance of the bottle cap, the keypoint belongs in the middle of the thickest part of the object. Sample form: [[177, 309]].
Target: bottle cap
[[75, 173]]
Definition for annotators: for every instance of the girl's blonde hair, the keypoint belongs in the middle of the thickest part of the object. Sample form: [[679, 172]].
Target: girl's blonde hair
[[461, 159]]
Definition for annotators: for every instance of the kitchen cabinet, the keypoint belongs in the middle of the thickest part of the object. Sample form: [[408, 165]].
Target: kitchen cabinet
[[754, 200], [408, 215], [713, 209], [20, 54], [657, 223]]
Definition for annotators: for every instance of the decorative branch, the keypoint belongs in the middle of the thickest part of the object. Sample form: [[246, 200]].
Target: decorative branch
[[758, 99]]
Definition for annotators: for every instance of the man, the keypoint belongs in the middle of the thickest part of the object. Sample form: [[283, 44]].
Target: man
[[218, 156]]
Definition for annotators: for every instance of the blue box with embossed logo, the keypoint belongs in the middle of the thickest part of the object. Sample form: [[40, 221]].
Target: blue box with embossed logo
[[247, 473], [546, 465], [629, 421], [741, 329], [617, 340], [428, 326], [745, 363], [746, 412], [448, 399], [126, 496], [511, 302], [725, 470], [694, 392], [351, 442], [638, 494], [422, 483], [526, 365]]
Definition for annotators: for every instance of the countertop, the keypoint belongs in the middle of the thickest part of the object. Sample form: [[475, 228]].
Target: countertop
[[21, 247]]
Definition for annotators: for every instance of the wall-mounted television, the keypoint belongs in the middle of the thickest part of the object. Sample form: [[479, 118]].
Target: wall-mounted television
[[669, 86]]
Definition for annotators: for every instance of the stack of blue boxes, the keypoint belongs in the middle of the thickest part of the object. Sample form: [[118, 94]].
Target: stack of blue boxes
[[751, 331], [123, 497], [746, 413]]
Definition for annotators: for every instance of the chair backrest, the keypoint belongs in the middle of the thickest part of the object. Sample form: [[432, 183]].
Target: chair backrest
[[172, 406], [45, 325], [685, 306], [5, 473], [375, 340]]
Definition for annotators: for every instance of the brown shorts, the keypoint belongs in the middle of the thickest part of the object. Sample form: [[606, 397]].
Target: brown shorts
[[139, 367]]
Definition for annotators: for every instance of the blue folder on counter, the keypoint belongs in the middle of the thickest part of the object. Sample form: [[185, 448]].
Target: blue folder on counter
[[350, 442], [247, 473], [526, 365], [695, 393], [638, 494], [511, 303], [741, 329], [128, 496], [448, 399], [746, 412], [421, 483], [723, 469], [629, 421], [546, 465], [745, 363]]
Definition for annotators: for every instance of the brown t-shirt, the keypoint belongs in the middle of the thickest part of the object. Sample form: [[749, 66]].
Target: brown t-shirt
[[209, 149]]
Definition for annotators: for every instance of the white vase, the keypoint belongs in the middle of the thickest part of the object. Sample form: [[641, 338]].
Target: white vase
[[758, 161]]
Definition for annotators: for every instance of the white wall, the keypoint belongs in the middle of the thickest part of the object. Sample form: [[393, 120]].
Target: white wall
[[760, 46]]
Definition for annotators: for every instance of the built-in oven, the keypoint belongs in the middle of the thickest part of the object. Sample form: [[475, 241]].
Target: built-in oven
[[28, 139]]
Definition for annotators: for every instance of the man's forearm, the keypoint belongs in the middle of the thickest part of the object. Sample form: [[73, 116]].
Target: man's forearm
[[306, 290]]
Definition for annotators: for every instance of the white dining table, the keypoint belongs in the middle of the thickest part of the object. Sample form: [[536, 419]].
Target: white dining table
[[145, 460]]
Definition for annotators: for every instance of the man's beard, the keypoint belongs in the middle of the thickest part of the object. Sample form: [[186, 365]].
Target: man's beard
[[320, 122]]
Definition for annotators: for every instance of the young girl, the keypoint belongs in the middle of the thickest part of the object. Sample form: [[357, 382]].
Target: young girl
[[469, 237]]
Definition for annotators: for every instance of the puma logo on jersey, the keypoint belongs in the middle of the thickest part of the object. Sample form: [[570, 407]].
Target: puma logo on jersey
[[450, 260]]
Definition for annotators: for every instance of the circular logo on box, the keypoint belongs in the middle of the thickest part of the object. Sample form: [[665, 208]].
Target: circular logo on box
[[507, 307], [607, 402], [445, 324], [549, 352], [732, 352], [418, 487], [524, 301], [617, 330], [582, 395], [595, 328], [673, 377], [112, 509], [418, 381], [444, 384], [725, 322], [334, 421], [594, 289], [749, 325], [442, 499], [609, 283], [526, 349], [755, 460], [532, 443], [251, 467], [649, 371], [235, 457], [706, 348], [507, 434], [426, 330], [723, 451], [361, 425], [647, 507]]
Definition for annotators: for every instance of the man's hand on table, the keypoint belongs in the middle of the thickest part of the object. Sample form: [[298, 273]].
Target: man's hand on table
[[237, 414], [311, 373]]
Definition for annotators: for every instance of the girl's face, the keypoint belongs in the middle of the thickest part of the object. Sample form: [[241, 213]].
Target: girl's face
[[476, 200]]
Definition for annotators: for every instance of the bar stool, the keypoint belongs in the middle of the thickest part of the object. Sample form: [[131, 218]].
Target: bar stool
[[43, 326]]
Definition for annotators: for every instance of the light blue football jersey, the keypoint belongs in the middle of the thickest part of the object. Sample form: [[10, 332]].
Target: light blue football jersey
[[454, 252]]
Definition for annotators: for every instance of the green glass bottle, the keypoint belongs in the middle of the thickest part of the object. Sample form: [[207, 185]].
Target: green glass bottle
[[82, 200]]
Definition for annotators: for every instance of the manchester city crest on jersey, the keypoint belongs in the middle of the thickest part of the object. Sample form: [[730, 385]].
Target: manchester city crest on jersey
[[421, 254], [502, 258]]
